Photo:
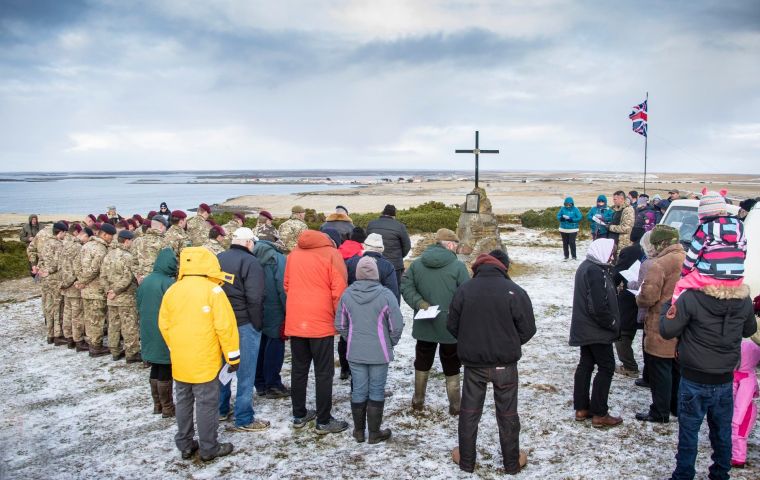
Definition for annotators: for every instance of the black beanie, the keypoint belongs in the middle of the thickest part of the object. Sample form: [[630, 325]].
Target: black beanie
[[501, 256], [60, 227], [390, 210], [358, 235]]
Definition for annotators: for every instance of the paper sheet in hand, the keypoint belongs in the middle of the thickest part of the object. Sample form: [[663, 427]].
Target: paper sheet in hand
[[632, 274], [224, 374], [430, 312], [596, 219]]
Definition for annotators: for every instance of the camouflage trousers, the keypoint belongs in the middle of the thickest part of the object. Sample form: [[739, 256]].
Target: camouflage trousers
[[52, 302], [94, 318], [122, 322], [73, 323]]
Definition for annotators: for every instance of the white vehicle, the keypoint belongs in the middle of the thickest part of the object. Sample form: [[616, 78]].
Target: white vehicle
[[752, 262], [682, 215]]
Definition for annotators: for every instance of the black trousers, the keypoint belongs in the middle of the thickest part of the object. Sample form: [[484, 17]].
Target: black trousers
[[624, 350], [600, 355], [342, 347], [162, 373], [399, 274], [645, 369], [474, 386], [303, 352], [664, 377], [447, 352], [568, 243]]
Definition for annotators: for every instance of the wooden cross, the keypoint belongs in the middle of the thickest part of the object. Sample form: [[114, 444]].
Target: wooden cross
[[477, 151]]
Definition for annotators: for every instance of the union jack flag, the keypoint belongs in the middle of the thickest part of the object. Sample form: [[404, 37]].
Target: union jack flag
[[639, 117]]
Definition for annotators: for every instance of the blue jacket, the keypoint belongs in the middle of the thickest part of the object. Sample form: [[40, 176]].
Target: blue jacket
[[572, 213], [604, 212], [273, 263], [385, 268]]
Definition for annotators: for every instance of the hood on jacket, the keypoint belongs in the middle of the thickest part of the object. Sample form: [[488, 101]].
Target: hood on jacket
[[313, 239], [333, 234], [166, 263], [338, 217], [34, 215], [265, 251], [364, 291], [600, 250], [485, 259], [724, 292], [350, 248], [675, 248], [570, 201], [200, 262], [437, 256], [602, 198]]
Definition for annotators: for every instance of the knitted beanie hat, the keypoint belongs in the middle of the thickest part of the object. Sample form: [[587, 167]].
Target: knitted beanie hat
[[366, 269], [712, 204]]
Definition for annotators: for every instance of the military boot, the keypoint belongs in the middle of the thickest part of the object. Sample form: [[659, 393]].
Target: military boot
[[59, 341], [374, 420], [359, 413], [82, 346], [154, 394], [71, 343], [165, 394], [420, 385], [99, 350], [454, 393]]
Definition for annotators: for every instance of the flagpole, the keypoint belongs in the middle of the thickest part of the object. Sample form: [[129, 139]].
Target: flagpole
[[646, 137]]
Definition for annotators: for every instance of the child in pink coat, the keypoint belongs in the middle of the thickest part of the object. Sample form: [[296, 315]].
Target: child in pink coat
[[745, 410]]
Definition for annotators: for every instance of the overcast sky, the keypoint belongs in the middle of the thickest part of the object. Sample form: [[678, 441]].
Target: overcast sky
[[243, 84]]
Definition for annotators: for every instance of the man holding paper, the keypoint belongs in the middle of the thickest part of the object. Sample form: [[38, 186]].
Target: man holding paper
[[431, 280]]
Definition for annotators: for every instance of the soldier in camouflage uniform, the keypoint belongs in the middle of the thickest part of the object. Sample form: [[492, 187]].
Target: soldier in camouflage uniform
[[118, 277], [32, 254], [49, 266], [93, 294], [291, 229], [215, 239], [198, 226], [176, 237], [146, 247], [237, 221], [73, 328]]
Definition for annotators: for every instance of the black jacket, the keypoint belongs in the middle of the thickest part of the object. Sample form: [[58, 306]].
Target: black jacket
[[491, 317], [710, 324], [626, 300], [596, 318], [246, 293], [395, 239], [386, 271]]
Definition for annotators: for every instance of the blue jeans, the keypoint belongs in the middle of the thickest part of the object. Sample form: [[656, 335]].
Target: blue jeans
[[271, 357], [249, 352], [695, 400], [368, 381]]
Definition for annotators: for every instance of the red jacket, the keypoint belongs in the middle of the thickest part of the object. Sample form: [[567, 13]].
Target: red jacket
[[350, 248], [315, 277]]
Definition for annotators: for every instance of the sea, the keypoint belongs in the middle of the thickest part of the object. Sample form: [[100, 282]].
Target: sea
[[140, 192]]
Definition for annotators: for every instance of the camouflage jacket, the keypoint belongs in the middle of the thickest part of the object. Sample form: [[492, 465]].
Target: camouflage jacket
[[213, 246], [266, 232], [176, 239], [70, 256], [50, 259], [229, 229], [623, 229], [90, 260], [289, 232], [34, 247], [197, 230], [145, 249], [118, 274]]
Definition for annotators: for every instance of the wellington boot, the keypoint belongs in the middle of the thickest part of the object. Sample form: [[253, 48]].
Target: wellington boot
[[359, 413], [454, 392], [374, 420], [165, 394], [154, 394], [420, 386]]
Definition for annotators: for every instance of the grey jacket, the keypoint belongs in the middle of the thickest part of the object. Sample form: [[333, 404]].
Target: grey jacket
[[369, 318]]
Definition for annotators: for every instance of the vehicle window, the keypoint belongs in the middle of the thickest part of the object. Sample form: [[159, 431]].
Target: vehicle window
[[684, 219]]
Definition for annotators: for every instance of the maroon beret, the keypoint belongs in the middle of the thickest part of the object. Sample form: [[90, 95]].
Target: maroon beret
[[92, 217], [138, 218], [123, 224], [212, 222], [179, 214], [152, 213], [97, 225], [266, 214], [146, 222], [204, 207], [75, 228], [239, 215], [103, 218], [218, 230]]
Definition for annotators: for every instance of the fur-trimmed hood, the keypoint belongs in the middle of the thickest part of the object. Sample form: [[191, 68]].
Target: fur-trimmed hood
[[724, 292], [338, 217]]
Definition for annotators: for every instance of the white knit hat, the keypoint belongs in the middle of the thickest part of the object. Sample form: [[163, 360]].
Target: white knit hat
[[374, 243]]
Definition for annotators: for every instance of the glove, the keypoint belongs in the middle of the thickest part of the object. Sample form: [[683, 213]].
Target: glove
[[233, 368], [423, 305]]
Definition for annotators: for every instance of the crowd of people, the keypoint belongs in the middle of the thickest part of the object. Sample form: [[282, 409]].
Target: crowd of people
[[199, 303], [694, 310]]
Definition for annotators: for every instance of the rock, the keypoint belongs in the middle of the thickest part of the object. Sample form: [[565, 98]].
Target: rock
[[478, 232]]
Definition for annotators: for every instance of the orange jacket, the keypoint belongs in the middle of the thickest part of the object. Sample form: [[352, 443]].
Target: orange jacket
[[315, 277]]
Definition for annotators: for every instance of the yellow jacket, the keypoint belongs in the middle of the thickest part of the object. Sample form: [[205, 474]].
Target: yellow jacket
[[196, 319]]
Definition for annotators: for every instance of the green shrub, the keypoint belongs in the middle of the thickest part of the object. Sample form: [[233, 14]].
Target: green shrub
[[547, 219], [13, 261]]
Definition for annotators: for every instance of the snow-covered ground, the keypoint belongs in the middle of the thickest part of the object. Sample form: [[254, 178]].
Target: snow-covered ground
[[65, 415]]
